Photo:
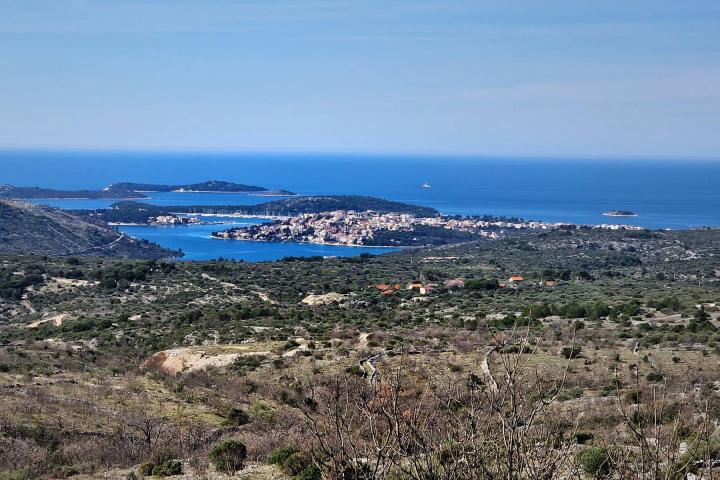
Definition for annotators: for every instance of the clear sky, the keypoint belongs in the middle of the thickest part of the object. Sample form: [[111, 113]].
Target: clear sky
[[486, 77]]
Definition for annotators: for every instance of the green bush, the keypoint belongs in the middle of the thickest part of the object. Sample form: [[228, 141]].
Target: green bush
[[169, 468], [571, 352], [279, 455], [309, 473], [162, 469], [263, 411], [146, 469], [633, 396], [236, 416], [228, 456], [594, 461], [295, 463]]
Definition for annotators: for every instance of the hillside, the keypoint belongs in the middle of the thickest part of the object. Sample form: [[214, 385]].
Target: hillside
[[327, 203], [43, 230], [599, 334]]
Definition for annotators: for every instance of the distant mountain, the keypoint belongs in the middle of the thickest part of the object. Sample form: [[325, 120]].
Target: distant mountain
[[138, 212], [29, 228]]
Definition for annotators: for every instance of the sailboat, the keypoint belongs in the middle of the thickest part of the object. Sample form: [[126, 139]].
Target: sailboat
[[426, 185]]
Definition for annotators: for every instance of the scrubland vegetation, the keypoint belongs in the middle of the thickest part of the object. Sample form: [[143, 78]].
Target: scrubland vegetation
[[602, 362]]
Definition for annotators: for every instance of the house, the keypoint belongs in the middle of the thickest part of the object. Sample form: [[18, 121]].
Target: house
[[386, 289], [425, 289], [550, 283], [516, 279]]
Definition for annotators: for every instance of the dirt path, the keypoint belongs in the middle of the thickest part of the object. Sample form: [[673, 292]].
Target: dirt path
[[370, 371], [29, 306], [56, 320], [300, 348], [107, 245], [265, 298], [217, 280], [363, 341]]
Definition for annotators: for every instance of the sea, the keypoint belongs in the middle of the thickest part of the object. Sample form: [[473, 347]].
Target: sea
[[665, 194]]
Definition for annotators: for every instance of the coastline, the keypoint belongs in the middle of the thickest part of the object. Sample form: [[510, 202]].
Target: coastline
[[243, 192], [30, 200], [310, 243], [232, 215]]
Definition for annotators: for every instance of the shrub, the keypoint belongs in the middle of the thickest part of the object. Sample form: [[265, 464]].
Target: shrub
[[309, 473], [163, 469], [263, 411], [279, 455], [594, 461], [654, 377], [295, 463], [228, 456], [171, 467], [633, 396], [236, 416], [146, 469], [570, 352]]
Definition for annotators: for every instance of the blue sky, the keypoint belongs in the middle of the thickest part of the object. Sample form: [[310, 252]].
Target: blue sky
[[534, 77]]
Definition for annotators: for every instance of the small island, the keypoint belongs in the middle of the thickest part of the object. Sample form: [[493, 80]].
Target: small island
[[620, 213]]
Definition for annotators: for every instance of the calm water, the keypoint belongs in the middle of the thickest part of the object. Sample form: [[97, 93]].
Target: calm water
[[197, 244], [665, 194]]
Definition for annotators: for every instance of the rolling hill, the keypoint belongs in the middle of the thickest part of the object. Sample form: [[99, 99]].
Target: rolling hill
[[29, 228]]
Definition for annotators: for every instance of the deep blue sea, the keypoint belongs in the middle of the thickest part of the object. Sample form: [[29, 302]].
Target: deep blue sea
[[666, 194]]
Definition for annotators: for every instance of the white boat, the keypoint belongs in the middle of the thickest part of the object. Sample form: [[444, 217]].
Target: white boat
[[426, 185]]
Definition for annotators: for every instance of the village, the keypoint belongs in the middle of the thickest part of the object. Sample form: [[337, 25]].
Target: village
[[351, 227]]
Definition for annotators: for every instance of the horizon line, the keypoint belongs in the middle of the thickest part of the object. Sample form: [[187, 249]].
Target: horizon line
[[450, 155]]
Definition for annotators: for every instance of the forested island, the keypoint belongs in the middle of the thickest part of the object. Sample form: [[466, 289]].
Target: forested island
[[216, 186], [129, 190]]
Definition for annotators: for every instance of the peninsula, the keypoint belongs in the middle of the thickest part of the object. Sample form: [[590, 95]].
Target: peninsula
[[372, 228], [144, 213], [128, 190]]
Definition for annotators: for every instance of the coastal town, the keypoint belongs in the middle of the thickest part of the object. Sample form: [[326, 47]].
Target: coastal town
[[351, 227]]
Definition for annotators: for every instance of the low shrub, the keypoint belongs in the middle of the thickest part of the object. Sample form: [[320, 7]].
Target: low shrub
[[279, 455], [228, 456], [594, 461]]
